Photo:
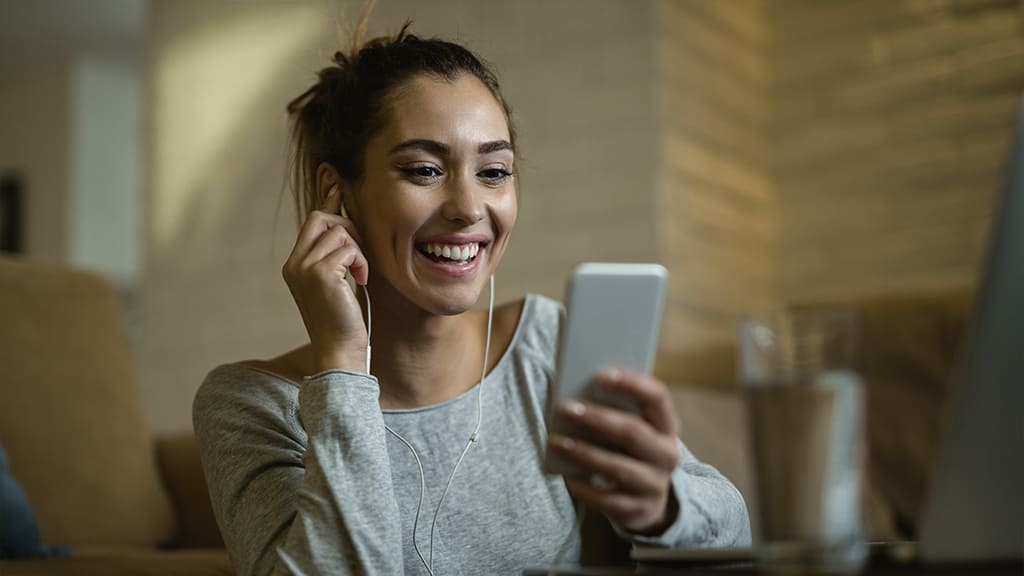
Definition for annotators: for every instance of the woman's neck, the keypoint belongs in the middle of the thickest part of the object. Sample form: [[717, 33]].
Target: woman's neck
[[420, 358]]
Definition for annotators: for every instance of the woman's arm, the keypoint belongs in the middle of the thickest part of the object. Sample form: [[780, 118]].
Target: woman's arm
[[710, 511], [311, 496]]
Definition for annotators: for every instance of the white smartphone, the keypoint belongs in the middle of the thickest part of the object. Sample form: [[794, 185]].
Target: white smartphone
[[614, 317]]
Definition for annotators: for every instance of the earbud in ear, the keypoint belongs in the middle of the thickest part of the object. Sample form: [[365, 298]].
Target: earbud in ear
[[344, 212]]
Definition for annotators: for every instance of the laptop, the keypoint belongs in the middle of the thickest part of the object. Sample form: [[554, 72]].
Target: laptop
[[975, 509], [974, 512]]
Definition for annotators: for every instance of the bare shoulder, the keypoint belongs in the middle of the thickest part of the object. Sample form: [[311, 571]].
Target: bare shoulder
[[503, 329], [293, 365], [507, 315]]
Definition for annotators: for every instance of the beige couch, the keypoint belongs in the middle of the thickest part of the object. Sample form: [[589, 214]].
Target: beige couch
[[71, 421]]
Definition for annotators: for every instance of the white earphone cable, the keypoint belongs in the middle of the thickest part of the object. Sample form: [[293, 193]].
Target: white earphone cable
[[419, 503], [429, 562], [369, 327], [479, 420]]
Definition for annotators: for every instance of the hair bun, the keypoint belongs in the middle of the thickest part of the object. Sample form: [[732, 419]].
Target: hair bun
[[335, 118]]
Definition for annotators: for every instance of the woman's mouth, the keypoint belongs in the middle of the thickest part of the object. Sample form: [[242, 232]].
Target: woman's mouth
[[450, 253]]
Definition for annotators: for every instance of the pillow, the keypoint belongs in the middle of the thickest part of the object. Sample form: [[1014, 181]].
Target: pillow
[[71, 412], [19, 532]]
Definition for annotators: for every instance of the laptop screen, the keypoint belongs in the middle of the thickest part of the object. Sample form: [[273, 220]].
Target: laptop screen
[[975, 510]]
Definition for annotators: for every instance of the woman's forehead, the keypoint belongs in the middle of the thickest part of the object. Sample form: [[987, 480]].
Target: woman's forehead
[[458, 113]]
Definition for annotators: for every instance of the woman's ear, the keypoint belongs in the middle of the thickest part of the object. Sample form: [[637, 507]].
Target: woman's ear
[[327, 177]]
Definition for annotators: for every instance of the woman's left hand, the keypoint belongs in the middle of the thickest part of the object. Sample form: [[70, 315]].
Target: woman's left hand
[[631, 486]]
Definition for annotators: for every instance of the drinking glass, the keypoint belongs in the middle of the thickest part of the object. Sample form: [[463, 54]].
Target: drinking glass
[[805, 403]]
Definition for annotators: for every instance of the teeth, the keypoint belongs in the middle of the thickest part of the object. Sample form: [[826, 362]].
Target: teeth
[[453, 252]]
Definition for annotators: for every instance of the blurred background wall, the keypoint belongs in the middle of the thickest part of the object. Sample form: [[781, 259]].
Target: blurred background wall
[[72, 134], [890, 124], [219, 227], [765, 151], [718, 213]]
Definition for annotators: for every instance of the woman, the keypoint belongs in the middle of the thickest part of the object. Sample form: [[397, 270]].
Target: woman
[[330, 459]]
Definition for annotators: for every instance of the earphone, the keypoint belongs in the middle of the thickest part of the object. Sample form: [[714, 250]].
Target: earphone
[[473, 437], [369, 312]]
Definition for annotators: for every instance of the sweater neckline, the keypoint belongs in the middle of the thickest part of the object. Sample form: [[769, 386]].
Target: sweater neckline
[[528, 302], [500, 366]]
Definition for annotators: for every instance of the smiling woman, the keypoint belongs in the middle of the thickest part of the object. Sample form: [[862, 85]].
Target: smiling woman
[[425, 458]]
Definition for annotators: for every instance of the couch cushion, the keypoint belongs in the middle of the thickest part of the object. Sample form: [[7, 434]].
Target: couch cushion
[[19, 531], [71, 412], [182, 472]]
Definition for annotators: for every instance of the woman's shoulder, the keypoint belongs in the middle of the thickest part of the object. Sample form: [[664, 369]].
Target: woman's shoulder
[[540, 323], [254, 387]]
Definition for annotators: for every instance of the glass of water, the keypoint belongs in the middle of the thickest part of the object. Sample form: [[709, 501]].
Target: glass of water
[[805, 402]]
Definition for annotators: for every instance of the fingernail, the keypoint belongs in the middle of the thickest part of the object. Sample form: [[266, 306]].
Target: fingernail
[[611, 375], [574, 408], [563, 442]]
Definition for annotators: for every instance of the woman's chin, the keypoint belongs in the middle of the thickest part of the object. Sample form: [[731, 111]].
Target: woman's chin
[[452, 300]]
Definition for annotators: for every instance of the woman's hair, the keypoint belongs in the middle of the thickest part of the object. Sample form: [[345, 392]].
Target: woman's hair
[[335, 118]]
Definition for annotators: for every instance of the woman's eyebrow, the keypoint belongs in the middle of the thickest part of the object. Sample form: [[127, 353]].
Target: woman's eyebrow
[[431, 146], [440, 149], [494, 146]]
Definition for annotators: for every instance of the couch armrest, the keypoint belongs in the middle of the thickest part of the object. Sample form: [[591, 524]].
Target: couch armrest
[[182, 474]]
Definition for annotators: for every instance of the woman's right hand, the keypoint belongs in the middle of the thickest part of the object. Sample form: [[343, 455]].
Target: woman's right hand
[[326, 251]]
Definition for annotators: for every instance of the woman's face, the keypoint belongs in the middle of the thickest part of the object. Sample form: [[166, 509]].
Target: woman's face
[[437, 202]]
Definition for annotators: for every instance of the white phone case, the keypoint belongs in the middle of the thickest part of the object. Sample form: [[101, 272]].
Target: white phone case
[[614, 317]]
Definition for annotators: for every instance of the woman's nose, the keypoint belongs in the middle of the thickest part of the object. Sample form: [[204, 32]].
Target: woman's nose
[[465, 201]]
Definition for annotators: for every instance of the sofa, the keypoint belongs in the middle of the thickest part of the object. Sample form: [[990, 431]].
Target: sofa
[[122, 500]]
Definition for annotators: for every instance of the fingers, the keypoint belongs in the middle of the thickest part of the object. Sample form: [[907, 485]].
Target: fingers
[[350, 228], [637, 496], [647, 514], [316, 224], [625, 430], [350, 259], [613, 504], [322, 234], [653, 397], [628, 511], [321, 221], [627, 474], [336, 250], [332, 206]]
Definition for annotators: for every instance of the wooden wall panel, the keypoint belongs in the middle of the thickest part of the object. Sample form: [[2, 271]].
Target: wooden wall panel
[[891, 123], [716, 205]]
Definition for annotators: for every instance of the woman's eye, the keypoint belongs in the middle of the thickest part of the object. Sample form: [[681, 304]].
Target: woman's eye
[[494, 174], [421, 173]]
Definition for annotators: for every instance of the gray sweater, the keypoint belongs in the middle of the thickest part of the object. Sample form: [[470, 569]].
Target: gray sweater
[[305, 479]]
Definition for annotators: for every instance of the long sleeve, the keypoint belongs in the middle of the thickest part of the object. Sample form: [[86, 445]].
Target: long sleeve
[[711, 513], [311, 495]]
